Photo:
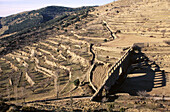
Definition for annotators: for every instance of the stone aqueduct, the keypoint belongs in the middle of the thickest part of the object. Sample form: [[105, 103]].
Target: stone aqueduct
[[117, 73]]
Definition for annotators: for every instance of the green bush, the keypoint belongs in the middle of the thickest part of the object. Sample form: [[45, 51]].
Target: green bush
[[122, 109], [105, 40], [76, 82], [58, 28]]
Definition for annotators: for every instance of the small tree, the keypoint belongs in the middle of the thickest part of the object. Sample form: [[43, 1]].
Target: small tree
[[105, 40], [76, 27], [76, 82], [58, 28], [104, 24], [122, 109], [118, 31]]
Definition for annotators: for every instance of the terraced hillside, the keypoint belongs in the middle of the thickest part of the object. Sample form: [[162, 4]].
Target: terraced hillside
[[35, 67], [54, 60], [49, 67], [137, 17]]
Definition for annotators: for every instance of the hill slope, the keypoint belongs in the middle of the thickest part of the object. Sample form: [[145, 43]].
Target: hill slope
[[144, 18], [54, 59], [17, 22]]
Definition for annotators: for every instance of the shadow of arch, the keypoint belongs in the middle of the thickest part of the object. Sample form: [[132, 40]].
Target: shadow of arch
[[144, 76], [160, 79]]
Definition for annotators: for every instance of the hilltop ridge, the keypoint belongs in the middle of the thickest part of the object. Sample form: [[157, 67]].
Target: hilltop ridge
[[24, 20]]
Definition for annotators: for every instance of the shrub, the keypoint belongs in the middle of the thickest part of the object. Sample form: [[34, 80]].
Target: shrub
[[167, 42], [104, 24], [122, 109], [77, 19], [76, 27], [118, 31], [105, 40], [67, 24], [76, 82]]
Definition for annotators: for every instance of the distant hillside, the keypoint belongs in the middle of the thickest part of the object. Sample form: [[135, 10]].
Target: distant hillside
[[17, 22]]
